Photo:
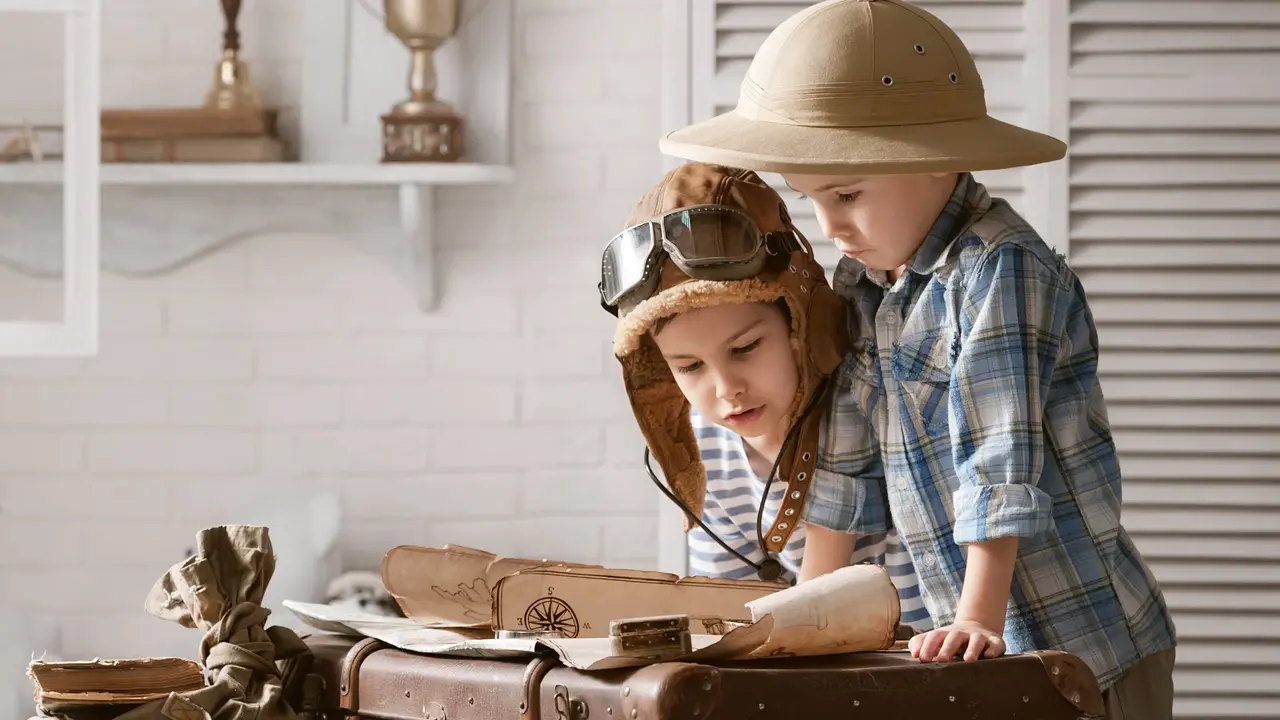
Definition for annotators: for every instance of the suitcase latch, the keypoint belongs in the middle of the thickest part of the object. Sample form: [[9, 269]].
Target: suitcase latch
[[570, 708]]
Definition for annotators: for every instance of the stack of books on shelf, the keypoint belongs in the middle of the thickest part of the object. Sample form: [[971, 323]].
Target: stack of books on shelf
[[190, 135]]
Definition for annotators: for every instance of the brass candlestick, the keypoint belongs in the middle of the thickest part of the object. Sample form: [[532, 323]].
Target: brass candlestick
[[232, 86], [422, 128]]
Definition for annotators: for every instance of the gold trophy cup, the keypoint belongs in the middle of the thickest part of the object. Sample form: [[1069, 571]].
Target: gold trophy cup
[[422, 128]]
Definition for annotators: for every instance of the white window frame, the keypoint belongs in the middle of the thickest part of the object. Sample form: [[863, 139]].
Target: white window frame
[[77, 334]]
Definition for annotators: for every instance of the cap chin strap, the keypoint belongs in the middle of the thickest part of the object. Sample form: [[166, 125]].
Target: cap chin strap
[[769, 569]]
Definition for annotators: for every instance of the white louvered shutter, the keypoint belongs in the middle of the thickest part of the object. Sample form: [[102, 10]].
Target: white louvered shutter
[[1174, 215], [725, 35]]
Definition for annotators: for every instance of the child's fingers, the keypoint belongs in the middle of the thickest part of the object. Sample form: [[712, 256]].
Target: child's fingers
[[977, 643], [995, 647], [914, 644], [931, 644], [952, 645]]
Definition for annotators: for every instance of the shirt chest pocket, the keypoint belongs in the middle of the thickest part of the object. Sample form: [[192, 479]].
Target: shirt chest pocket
[[921, 363]]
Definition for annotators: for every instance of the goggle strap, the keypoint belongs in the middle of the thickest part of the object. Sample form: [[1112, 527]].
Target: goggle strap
[[782, 242]]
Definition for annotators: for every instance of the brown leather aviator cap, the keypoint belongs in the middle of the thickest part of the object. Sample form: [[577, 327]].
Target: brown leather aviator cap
[[788, 271]]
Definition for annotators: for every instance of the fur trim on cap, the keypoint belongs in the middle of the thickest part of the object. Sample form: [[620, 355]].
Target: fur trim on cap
[[692, 295]]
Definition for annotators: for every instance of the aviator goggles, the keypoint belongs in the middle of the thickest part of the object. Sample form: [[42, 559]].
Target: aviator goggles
[[707, 242]]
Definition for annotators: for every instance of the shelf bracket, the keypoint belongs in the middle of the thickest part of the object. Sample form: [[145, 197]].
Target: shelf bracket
[[418, 230]]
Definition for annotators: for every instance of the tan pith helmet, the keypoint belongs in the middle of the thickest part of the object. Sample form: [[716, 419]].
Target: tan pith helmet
[[862, 87]]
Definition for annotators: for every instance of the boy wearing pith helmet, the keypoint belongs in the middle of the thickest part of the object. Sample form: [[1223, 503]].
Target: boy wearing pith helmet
[[974, 368]]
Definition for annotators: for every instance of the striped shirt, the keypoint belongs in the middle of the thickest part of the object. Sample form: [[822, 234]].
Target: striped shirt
[[972, 411], [731, 508]]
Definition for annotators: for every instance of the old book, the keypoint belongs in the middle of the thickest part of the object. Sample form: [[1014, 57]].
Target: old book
[[194, 150], [112, 682], [165, 122]]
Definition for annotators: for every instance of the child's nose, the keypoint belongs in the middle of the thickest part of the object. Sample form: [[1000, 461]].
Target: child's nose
[[729, 386]]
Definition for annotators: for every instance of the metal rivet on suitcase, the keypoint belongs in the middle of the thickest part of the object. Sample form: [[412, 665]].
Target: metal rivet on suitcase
[[406, 693]]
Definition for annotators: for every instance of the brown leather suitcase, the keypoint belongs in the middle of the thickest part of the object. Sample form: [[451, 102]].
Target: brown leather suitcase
[[366, 678]]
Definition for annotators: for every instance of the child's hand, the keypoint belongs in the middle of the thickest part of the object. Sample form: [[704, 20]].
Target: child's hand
[[942, 644]]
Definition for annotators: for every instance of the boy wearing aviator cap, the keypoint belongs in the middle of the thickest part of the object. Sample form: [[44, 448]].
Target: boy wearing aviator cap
[[973, 373], [727, 336]]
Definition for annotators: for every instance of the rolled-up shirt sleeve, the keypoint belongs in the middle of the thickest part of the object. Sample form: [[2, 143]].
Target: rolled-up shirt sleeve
[[848, 493], [1011, 327]]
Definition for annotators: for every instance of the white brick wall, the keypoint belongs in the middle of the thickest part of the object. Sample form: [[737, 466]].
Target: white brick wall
[[285, 366]]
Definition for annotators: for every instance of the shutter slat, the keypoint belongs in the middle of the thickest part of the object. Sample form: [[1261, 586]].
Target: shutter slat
[[1244, 599], [1146, 467], [1218, 572], [1123, 362], [1248, 199], [1186, 547], [1207, 252], [1207, 652], [1153, 42], [1224, 626], [1161, 64], [1184, 283], [1177, 441], [1214, 417], [1175, 12], [1199, 389], [1181, 312], [1172, 226], [1218, 336], [1210, 493], [1182, 144], [1171, 89], [1173, 116], [1174, 172], [1202, 521]]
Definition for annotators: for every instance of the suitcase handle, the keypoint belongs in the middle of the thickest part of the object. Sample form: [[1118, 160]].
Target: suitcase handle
[[348, 691], [531, 686]]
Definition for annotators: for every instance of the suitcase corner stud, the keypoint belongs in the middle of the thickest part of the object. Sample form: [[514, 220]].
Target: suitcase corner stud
[[659, 637]]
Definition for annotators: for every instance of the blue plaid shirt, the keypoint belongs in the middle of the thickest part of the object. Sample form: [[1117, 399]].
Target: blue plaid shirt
[[970, 410]]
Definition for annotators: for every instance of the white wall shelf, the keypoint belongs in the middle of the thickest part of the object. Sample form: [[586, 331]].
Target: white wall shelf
[[44, 6], [294, 173], [416, 183]]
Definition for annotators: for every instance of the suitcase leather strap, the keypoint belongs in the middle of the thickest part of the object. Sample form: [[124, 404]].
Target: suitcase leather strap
[[531, 687], [349, 690]]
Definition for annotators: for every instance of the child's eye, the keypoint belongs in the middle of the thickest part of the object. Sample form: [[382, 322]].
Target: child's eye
[[802, 196], [847, 197], [691, 367], [748, 347]]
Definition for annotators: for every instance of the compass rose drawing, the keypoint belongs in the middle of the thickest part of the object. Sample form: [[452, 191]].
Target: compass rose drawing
[[551, 614]]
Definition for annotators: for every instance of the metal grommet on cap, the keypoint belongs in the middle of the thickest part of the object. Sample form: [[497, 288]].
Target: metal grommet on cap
[[953, 78], [919, 49], [887, 80]]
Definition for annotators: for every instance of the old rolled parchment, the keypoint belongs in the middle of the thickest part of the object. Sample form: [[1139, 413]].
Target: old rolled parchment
[[853, 609]]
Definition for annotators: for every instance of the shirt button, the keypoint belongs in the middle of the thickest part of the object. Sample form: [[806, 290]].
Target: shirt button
[[891, 317], [903, 483], [930, 560]]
